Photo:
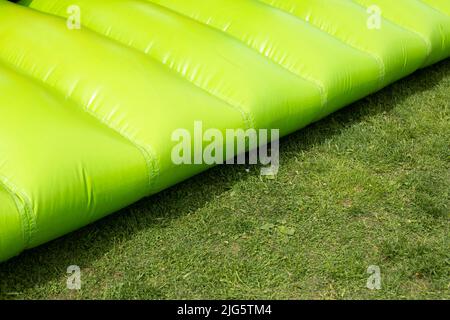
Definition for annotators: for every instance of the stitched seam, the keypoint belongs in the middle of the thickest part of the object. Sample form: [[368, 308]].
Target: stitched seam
[[320, 86], [245, 114], [433, 7], [438, 11], [421, 36], [24, 208], [151, 160], [147, 152], [373, 55]]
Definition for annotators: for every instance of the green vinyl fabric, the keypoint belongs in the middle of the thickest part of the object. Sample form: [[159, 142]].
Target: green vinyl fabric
[[86, 116]]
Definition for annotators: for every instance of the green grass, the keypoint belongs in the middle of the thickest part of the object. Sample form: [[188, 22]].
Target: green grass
[[369, 185]]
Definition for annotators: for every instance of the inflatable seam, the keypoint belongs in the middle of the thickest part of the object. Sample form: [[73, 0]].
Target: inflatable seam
[[440, 13], [320, 86], [247, 116], [421, 36], [378, 59], [24, 208], [434, 8], [150, 158], [152, 163]]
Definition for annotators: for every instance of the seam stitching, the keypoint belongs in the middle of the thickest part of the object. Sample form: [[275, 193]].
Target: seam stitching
[[24, 208], [427, 42], [245, 114], [441, 13], [153, 168], [373, 55], [433, 8], [320, 86], [150, 158]]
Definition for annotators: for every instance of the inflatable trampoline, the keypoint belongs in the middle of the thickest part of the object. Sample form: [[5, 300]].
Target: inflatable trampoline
[[91, 91]]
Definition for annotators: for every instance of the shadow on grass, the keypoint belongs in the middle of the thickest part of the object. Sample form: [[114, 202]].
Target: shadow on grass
[[38, 266]]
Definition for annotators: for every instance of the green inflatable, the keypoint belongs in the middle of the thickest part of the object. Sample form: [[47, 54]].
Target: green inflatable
[[92, 91]]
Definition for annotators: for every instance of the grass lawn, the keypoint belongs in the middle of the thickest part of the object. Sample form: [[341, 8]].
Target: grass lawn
[[369, 185]]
